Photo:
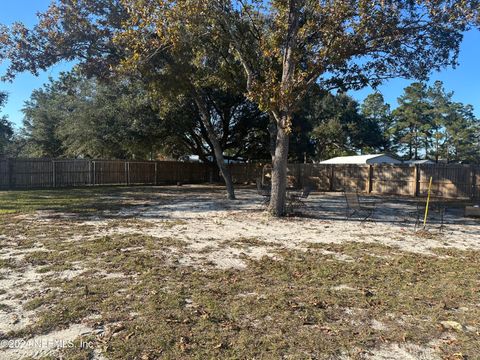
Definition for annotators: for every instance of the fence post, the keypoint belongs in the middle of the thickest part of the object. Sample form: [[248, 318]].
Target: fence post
[[90, 172], [156, 173], [370, 179], [9, 173], [473, 190], [54, 174], [94, 175], [127, 171], [416, 180], [332, 175]]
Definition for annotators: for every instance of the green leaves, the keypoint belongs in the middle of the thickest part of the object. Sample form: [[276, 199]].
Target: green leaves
[[340, 129], [428, 123], [75, 116], [6, 127]]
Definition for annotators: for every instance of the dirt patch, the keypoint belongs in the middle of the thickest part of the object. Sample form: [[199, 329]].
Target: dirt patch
[[403, 352]]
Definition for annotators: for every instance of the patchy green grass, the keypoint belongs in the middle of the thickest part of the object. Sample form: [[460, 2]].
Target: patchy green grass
[[7, 264], [8, 211], [169, 224], [246, 242], [77, 200], [273, 309]]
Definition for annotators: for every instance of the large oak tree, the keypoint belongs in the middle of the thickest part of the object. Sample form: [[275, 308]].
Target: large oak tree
[[286, 46]]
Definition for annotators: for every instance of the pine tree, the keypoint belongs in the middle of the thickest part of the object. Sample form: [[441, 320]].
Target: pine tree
[[462, 133], [375, 109], [413, 121]]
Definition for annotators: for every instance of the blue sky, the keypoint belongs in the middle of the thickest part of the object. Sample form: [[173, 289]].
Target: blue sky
[[20, 89], [464, 80]]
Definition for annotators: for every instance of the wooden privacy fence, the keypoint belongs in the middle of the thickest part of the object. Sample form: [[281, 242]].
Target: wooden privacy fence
[[449, 181], [45, 173]]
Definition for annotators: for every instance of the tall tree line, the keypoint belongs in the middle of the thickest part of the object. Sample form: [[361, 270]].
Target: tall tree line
[[427, 124], [75, 116]]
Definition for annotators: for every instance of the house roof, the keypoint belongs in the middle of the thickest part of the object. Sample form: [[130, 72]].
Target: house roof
[[425, 161], [356, 159]]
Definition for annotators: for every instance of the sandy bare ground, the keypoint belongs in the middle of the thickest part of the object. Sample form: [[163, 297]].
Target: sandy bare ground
[[209, 222], [212, 228]]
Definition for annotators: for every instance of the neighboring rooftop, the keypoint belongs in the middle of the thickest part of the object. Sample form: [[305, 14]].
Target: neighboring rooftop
[[363, 159], [424, 161]]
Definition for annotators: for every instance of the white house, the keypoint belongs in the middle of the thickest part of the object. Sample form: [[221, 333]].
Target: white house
[[362, 160]]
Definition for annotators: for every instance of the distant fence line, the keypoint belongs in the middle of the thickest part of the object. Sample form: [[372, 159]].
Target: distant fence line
[[46, 173], [21, 173], [449, 181]]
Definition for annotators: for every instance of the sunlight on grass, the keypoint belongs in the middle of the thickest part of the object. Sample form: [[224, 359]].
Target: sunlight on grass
[[8, 211]]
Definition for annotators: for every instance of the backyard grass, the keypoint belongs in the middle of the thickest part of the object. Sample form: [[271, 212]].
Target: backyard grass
[[295, 304], [76, 200]]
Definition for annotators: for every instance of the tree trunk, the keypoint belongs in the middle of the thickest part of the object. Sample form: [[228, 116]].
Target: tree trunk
[[272, 130], [284, 115], [279, 173], [224, 170], [217, 148]]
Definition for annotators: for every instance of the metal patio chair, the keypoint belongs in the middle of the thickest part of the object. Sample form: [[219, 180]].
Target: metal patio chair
[[296, 200], [414, 215], [436, 210], [355, 207], [437, 207]]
